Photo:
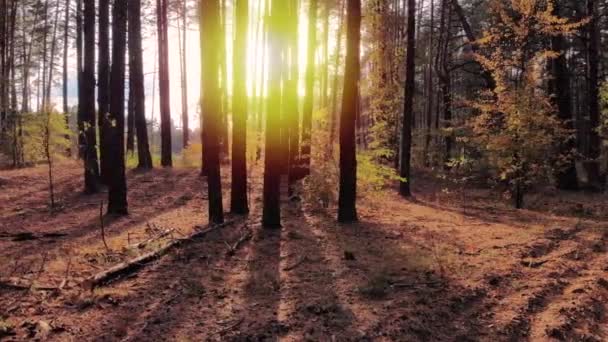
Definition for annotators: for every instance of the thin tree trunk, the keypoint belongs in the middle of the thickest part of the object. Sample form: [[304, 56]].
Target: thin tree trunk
[[271, 216], [408, 111], [66, 33], [184, 76], [334, 99], [238, 199], [164, 94], [117, 187], [310, 83], [103, 89], [292, 98], [593, 169], [211, 54], [347, 211], [88, 99], [136, 84], [429, 90]]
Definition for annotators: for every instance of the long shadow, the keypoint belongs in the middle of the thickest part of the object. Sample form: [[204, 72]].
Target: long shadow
[[318, 312], [395, 278], [262, 290]]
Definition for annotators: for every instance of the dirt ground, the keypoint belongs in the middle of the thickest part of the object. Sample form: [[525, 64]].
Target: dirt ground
[[430, 269]]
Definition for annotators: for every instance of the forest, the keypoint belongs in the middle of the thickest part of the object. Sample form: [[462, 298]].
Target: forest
[[304, 170]]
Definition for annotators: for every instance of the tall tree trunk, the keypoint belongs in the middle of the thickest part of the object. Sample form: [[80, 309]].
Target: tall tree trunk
[[408, 110], [225, 144], [429, 87], [325, 65], [238, 199], [559, 86], [310, 83], [66, 35], [334, 96], [271, 216], [592, 163], [45, 38], [136, 84], [210, 71], [117, 187], [164, 94], [347, 211], [292, 99], [66, 41], [103, 89], [88, 99], [49, 83], [184, 76]]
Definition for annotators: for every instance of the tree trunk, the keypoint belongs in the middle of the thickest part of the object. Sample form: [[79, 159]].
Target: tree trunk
[[137, 96], [559, 86], [117, 187], [211, 104], [66, 33], [408, 110], [238, 199], [184, 77], [347, 211], [164, 94], [310, 83], [103, 89], [429, 88], [292, 99], [224, 143], [88, 99], [271, 216], [592, 162], [334, 97]]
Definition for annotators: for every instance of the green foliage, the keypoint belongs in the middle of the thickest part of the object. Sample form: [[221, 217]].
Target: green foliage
[[35, 135], [373, 176]]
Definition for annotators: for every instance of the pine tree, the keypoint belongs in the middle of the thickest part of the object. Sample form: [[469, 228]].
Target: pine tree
[[117, 187], [348, 157]]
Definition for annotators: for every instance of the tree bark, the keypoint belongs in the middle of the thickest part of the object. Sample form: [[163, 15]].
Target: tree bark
[[408, 110], [593, 153], [88, 99], [347, 211], [164, 87], [271, 216], [238, 199], [211, 105], [310, 84], [117, 187], [137, 96], [292, 99], [103, 89]]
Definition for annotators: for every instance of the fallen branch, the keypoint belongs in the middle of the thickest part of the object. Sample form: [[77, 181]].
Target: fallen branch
[[143, 244], [16, 285], [232, 249], [131, 266]]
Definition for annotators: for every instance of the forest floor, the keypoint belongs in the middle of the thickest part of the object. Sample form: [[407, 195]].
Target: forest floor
[[442, 267]]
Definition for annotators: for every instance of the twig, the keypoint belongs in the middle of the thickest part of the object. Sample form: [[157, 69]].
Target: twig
[[232, 249], [230, 327]]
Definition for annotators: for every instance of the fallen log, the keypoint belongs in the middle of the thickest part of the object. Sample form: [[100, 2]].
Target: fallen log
[[128, 267]]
